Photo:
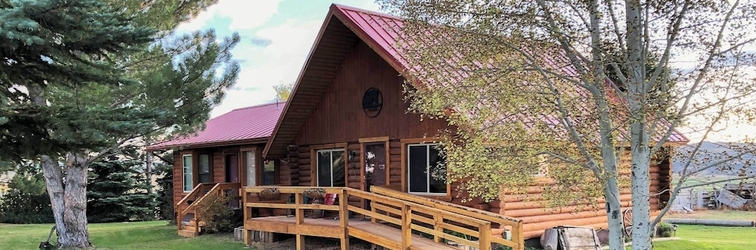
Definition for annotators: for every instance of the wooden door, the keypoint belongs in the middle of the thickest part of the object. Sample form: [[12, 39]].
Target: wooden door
[[375, 163], [232, 168]]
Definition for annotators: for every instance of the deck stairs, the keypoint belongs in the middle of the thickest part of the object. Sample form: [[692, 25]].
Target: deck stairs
[[190, 223]]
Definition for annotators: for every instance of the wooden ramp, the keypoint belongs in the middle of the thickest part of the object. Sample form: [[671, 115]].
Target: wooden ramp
[[378, 234], [396, 220]]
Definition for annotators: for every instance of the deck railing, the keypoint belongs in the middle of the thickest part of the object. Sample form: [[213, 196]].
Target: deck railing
[[199, 194], [440, 220]]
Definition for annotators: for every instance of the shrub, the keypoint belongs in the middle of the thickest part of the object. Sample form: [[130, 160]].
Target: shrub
[[216, 213], [664, 229]]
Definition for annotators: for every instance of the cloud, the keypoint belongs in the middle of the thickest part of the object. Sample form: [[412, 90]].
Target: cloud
[[243, 14], [261, 42]]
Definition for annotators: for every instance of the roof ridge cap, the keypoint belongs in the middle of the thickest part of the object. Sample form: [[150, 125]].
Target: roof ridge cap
[[258, 105], [370, 12]]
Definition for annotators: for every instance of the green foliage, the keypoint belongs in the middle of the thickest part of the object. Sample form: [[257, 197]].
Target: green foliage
[[216, 213], [283, 90], [165, 192], [664, 229], [117, 190], [108, 71], [27, 200]]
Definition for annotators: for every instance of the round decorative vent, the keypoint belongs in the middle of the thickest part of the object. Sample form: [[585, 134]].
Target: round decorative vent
[[372, 102]]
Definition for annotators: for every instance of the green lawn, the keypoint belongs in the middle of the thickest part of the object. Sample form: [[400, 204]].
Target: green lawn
[[710, 237], [134, 235], [715, 215]]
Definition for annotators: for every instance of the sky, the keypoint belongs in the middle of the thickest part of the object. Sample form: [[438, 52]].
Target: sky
[[276, 37]]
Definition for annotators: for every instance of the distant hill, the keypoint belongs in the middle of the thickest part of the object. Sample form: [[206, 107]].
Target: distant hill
[[712, 152]]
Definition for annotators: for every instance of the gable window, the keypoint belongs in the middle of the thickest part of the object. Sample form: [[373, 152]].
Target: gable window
[[331, 171], [204, 168], [188, 181], [426, 170]]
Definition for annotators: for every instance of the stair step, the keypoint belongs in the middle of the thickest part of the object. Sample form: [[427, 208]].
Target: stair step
[[187, 233]]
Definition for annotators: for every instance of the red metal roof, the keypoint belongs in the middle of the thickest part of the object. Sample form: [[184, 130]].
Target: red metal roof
[[384, 34], [239, 125]]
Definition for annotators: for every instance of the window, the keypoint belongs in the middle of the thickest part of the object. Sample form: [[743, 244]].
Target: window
[[269, 173], [249, 163], [427, 169], [188, 181], [204, 168], [331, 172]]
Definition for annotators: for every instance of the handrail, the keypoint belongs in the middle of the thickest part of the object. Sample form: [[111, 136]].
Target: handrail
[[191, 195], [419, 215], [514, 224], [217, 188]]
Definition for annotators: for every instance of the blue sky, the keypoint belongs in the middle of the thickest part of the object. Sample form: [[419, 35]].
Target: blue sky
[[276, 37]]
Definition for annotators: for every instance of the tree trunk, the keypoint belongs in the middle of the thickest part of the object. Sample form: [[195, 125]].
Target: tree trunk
[[69, 203], [54, 182]]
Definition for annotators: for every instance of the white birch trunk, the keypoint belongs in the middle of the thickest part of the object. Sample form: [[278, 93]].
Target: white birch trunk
[[639, 138]]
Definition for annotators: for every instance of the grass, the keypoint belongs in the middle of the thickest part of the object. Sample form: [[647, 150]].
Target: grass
[[710, 237], [134, 235], [715, 215]]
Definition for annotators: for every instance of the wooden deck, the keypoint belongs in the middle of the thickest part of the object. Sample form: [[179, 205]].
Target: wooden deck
[[396, 219], [383, 235]]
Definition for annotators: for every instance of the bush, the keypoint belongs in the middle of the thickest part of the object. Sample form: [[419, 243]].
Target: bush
[[216, 213], [17, 207], [664, 229]]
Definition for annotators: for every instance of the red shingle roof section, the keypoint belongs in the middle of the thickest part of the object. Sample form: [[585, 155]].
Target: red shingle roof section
[[239, 125]]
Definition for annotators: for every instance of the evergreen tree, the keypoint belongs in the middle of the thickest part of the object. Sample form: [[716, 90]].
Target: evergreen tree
[[165, 191], [80, 78], [117, 190], [26, 202]]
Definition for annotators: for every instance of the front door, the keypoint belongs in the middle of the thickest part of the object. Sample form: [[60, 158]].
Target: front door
[[375, 164], [232, 175], [232, 168]]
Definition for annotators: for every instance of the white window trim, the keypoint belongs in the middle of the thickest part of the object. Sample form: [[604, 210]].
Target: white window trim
[[317, 167], [543, 167], [183, 172], [427, 170]]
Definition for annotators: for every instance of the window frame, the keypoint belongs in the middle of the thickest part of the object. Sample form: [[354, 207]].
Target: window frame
[[314, 159], [405, 168], [209, 173], [427, 170], [317, 165], [184, 172]]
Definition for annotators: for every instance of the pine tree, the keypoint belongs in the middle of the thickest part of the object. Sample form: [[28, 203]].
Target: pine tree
[[117, 192], [80, 78]]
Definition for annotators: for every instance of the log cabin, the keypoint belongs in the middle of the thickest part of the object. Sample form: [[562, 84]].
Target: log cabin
[[346, 125], [224, 156], [345, 130]]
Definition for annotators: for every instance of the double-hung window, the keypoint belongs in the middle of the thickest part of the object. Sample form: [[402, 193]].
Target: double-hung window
[[331, 168], [426, 169], [188, 181]]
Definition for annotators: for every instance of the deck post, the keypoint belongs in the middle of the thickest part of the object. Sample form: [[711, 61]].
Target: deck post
[[406, 226], [300, 242], [437, 221], [245, 213], [484, 239], [298, 213], [344, 218], [517, 236]]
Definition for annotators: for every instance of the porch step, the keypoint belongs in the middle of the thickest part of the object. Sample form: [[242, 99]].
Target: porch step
[[188, 229], [187, 233]]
